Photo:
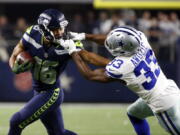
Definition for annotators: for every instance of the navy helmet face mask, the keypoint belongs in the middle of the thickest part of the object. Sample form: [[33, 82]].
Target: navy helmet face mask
[[50, 20]]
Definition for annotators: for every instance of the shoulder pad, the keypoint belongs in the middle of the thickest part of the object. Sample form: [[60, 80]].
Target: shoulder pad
[[119, 67], [33, 29], [32, 37], [113, 69], [28, 30]]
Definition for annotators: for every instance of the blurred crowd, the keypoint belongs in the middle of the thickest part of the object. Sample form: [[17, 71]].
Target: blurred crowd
[[9, 35], [161, 28]]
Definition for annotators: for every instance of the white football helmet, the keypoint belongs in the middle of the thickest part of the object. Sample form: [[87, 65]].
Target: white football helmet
[[123, 41]]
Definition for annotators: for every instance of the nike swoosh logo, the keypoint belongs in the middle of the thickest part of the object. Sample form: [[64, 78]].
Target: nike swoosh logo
[[111, 69]]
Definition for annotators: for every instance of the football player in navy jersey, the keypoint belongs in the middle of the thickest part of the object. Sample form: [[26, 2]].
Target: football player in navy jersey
[[41, 41], [135, 66]]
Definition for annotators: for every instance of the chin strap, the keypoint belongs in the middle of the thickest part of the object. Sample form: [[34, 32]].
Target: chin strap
[[66, 34], [47, 33]]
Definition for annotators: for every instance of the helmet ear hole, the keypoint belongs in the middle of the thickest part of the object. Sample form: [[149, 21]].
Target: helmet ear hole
[[118, 35], [106, 43]]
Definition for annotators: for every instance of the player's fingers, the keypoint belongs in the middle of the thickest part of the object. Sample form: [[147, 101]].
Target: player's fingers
[[26, 67], [62, 42], [73, 34], [25, 63]]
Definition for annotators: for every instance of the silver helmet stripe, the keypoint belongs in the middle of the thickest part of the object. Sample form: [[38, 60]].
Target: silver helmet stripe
[[129, 32], [45, 16], [44, 19]]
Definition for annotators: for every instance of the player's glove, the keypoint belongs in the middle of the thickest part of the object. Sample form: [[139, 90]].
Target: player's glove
[[19, 68], [77, 36], [79, 45], [69, 45]]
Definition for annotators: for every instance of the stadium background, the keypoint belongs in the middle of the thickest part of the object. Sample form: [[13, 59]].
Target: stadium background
[[162, 26]]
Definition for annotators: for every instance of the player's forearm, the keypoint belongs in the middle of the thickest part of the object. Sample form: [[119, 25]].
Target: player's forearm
[[93, 58], [97, 38], [97, 75], [19, 48], [13, 57], [82, 66], [12, 60]]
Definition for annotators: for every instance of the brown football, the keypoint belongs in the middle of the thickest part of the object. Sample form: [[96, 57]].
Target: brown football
[[23, 57]]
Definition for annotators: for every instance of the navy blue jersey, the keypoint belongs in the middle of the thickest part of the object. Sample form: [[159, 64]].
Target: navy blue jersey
[[49, 62]]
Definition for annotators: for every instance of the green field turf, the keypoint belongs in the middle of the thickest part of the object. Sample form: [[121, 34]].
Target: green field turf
[[85, 119]]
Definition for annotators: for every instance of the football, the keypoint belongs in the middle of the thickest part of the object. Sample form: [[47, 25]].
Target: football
[[23, 57]]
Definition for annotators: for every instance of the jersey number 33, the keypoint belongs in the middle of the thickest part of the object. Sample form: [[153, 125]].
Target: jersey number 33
[[151, 73]]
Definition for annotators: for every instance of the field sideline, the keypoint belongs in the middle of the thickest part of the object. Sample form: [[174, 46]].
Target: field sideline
[[84, 119]]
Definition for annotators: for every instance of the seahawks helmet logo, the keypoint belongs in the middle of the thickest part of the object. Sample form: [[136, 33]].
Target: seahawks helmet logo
[[44, 19]]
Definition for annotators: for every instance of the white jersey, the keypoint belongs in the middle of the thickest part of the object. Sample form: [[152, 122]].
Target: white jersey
[[143, 76]]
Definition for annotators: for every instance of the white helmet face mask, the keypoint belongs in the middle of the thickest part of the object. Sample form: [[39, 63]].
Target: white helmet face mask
[[121, 43]]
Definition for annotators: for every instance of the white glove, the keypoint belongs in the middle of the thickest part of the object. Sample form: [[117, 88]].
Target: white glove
[[77, 36], [69, 45]]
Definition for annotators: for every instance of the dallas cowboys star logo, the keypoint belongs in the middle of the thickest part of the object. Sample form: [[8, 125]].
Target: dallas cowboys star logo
[[121, 43]]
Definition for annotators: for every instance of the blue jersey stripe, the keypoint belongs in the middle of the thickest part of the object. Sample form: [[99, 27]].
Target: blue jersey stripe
[[113, 75], [165, 123], [172, 124], [131, 29]]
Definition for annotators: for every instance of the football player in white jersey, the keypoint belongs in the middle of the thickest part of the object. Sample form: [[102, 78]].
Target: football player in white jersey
[[135, 65]]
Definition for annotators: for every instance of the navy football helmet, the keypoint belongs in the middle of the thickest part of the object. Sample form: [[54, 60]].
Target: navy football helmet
[[49, 20]]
